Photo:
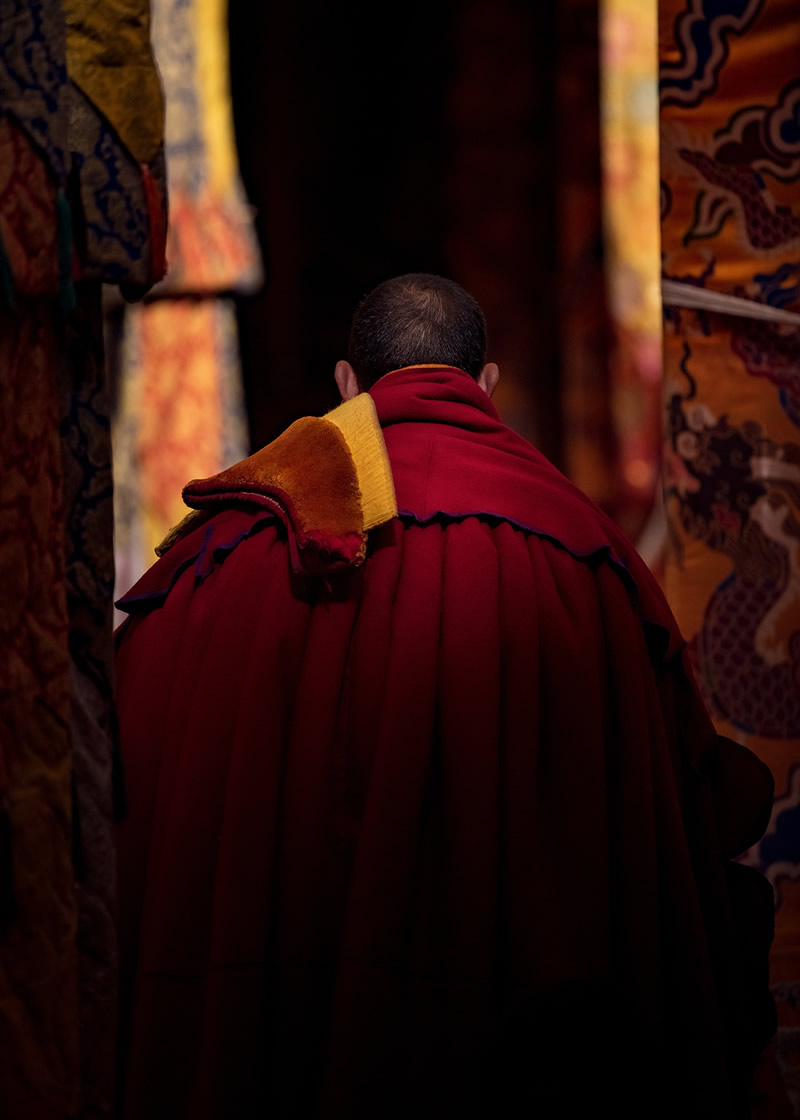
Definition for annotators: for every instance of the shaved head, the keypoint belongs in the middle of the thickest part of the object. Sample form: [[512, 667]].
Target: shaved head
[[416, 319]]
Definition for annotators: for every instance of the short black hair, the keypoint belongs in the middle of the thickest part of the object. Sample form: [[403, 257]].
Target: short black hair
[[416, 319]]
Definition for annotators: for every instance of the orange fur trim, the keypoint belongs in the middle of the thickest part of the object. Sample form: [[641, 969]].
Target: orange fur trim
[[308, 475]]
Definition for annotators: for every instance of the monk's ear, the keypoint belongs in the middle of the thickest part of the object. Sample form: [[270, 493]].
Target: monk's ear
[[346, 380], [488, 378]]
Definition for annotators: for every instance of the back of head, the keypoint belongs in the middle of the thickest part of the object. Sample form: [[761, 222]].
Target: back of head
[[416, 319]]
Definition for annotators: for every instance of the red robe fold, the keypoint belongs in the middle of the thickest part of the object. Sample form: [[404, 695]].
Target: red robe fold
[[442, 835]]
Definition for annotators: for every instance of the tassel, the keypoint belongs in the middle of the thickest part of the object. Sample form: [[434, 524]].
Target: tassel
[[6, 278], [8, 904], [67, 288], [158, 233]]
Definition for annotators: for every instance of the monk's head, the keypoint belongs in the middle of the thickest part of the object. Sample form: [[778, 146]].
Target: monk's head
[[415, 319]]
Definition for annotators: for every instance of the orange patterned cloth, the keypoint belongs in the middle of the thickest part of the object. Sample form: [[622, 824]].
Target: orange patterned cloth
[[730, 200], [180, 408], [180, 415], [629, 118]]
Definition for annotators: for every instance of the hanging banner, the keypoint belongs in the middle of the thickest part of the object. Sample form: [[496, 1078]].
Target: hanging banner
[[730, 210]]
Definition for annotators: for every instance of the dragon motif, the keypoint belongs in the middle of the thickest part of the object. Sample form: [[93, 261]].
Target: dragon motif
[[739, 492]]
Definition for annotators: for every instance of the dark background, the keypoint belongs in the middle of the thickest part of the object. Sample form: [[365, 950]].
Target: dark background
[[458, 138]]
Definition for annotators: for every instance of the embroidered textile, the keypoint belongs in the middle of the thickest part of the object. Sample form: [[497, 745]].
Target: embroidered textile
[[730, 203], [110, 220], [110, 58], [74, 205], [33, 76], [38, 961]]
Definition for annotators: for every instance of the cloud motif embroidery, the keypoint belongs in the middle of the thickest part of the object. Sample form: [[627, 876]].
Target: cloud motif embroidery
[[767, 137], [701, 32]]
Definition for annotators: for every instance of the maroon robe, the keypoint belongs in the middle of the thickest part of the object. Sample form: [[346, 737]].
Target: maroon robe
[[445, 834]]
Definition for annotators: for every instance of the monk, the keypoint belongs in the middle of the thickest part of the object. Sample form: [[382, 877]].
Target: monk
[[426, 816]]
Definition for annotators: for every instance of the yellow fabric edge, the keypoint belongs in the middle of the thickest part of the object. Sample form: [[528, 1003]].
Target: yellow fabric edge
[[184, 526], [212, 67], [357, 420]]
